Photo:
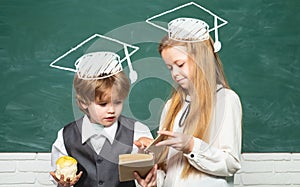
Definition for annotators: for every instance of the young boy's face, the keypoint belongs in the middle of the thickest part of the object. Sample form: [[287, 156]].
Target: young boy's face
[[105, 112]]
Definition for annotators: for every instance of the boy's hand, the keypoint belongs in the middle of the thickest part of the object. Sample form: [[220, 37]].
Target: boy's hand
[[68, 182], [150, 180], [143, 142]]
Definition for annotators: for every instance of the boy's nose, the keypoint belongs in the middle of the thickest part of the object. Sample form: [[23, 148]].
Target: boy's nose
[[111, 109]]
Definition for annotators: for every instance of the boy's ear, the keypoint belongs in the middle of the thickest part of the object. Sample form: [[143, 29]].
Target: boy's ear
[[83, 105]]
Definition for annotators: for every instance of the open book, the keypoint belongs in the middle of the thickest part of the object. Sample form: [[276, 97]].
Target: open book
[[140, 162]]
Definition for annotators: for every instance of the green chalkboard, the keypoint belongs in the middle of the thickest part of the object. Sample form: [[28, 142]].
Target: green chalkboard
[[260, 55]]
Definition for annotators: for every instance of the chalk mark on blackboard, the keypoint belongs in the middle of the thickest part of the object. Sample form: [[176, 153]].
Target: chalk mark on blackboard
[[177, 29], [132, 72]]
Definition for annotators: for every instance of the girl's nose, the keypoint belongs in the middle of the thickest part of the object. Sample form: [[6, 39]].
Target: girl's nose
[[175, 71]]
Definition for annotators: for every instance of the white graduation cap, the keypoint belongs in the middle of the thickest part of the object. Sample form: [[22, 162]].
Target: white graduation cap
[[188, 29], [100, 64]]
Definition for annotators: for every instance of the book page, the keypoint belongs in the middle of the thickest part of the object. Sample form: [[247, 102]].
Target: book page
[[156, 150]]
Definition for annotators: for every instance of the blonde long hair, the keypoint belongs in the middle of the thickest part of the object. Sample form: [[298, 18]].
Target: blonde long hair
[[206, 72]]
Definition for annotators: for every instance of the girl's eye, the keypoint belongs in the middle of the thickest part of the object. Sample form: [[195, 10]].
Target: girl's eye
[[180, 65]]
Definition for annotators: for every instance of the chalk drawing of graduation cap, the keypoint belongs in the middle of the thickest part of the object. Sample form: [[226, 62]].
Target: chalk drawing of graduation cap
[[190, 29], [101, 59]]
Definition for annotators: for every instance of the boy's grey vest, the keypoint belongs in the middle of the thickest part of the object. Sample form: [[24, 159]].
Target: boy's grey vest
[[99, 170]]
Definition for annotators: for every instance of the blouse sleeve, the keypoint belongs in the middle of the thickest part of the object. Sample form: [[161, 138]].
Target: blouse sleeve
[[221, 158]]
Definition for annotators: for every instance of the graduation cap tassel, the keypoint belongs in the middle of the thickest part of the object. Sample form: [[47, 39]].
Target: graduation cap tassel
[[217, 44], [132, 73]]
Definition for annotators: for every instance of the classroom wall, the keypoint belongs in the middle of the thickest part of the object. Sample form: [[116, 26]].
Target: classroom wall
[[258, 170], [260, 55]]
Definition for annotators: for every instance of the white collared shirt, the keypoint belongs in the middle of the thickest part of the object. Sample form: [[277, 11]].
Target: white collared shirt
[[97, 134]]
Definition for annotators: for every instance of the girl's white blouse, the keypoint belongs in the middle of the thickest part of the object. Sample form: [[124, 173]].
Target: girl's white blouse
[[217, 161]]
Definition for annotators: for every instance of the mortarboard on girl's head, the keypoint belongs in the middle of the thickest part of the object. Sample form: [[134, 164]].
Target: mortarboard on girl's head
[[100, 58], [190, 28]]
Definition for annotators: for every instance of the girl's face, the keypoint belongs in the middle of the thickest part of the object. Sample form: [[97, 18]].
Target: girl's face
[[105, 112], [178, 63]]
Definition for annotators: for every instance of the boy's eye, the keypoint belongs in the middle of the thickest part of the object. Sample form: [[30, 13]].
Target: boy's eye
[[102, 104], [118, 102]]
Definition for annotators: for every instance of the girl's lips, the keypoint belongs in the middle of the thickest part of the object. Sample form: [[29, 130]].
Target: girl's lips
[[180, 80]]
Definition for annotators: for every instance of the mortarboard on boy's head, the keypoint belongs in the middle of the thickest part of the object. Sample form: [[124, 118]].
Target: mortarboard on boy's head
[[98, 65], [190, 29], [101, 59]]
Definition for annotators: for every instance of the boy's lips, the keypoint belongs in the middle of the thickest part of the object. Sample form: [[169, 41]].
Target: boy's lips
[[110, 118]]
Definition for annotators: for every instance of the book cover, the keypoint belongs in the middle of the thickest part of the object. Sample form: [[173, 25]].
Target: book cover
[[140, 162]]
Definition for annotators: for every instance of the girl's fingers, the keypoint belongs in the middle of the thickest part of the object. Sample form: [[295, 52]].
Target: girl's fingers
[[167, 133], [165, 142]]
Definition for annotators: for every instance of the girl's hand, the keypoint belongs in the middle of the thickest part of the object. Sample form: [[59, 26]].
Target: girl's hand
[[179, 141], [68, 182], [143, 142], [150, 180]]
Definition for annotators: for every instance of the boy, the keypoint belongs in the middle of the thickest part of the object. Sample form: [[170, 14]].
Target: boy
[[98, 138]]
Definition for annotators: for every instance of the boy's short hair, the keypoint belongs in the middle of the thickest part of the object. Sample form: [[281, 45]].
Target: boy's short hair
[[98, 90]]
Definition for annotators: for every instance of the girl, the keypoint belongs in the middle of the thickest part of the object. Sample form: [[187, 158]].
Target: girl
[[202, 120]]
